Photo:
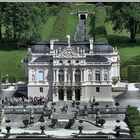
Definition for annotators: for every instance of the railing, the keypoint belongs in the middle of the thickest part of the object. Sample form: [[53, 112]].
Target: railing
[[39, 110], [104, 110], [24, 110]]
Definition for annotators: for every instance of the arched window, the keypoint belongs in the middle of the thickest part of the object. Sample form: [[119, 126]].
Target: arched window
[[61, 94], [77, 75], [61, 75], [77, 94], [97, 75]]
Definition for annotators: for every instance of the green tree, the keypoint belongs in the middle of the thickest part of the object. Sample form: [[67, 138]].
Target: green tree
[[136, 132], [126, 16], [2, 11], [22, 21]]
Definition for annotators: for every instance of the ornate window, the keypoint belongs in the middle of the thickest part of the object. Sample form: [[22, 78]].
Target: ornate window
[[40, 75], [61, 75], [97, 75], [77, 75]]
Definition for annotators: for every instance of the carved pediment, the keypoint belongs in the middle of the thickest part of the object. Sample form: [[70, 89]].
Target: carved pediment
[[68, 52]]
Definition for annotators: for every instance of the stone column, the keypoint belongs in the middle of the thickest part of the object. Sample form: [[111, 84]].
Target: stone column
[[119, 70], [73, 94], [73, 75], [81, 75], [109, 74], [36, 80], [56, 75], [65, 94], [55, 94], [102, 74], [65, 75], [93, 74]]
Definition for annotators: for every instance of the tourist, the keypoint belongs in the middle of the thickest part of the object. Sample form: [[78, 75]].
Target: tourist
[[93, 101], [73, 103], [66, 106]]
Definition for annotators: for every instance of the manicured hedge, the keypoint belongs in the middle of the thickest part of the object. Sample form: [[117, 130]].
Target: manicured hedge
[[60, 26], [132, 119], [100, 19], [134, 73]]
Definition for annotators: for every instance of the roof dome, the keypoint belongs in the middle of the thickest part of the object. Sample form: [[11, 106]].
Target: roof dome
[[40, 48], [103, 48]]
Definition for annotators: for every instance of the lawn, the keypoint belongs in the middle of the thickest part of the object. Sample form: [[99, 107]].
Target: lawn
[[72, 22], [10, 63], [129, 52], [47, 28]]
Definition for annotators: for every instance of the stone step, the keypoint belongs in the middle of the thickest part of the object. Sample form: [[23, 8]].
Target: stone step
[[64, 116]]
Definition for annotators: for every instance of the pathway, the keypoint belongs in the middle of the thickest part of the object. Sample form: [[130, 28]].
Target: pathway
[[80, 34]]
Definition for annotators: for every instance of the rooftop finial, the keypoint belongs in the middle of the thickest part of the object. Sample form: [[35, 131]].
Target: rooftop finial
[[68, 37]]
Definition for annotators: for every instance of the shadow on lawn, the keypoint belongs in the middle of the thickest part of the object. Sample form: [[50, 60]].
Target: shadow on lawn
[[121, 41], [115, 39], [132, 61]]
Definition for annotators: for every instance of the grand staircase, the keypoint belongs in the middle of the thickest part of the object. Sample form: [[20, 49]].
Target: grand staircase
[[80, 34]]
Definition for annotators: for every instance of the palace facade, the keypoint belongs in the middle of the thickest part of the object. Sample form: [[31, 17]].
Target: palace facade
[[72, 70]]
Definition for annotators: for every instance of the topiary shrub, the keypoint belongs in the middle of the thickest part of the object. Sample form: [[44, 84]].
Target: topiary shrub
[[80, 121], [53, 103], [101, 122], [41, 119], [96, 104], [70, 123], [54, 122], [117, 121], [26, 122], [7, 121]]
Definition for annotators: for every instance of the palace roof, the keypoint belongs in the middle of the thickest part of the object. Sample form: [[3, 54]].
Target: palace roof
[[98, 47]]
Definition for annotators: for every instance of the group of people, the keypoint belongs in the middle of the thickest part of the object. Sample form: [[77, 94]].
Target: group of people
[[64, 108], [24, 101]]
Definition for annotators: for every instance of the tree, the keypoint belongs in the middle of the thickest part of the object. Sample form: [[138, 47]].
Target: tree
[[22, 21], [25, 122], [126, 16], [2, 11], [136, 132]]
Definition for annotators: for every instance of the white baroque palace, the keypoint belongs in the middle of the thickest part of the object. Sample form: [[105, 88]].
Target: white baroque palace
[[73, 70]]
